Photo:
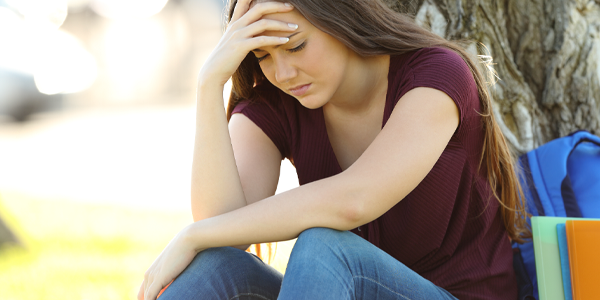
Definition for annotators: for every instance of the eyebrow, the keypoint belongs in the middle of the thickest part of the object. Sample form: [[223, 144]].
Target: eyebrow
[[277, 46]]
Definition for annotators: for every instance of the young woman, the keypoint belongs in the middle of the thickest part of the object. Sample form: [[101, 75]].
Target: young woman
[[408, 189]]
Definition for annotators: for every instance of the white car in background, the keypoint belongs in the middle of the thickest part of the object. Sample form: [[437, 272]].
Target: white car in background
[[38, 61], [19, 97]]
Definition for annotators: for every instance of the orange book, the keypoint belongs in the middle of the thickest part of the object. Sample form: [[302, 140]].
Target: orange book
[[583, 237]]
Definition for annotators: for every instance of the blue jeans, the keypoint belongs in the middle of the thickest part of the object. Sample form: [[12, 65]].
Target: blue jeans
[[324, 264]]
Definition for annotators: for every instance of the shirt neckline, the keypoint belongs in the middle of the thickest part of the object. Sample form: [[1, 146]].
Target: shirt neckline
[[386, 115]]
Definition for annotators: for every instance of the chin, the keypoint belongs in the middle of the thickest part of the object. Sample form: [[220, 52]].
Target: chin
[[311, 102]]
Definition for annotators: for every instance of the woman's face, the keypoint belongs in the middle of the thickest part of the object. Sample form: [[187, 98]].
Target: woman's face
[[311, 67]]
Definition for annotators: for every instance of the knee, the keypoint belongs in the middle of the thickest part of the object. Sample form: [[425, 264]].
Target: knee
[[318, 251], [321, 235], [223, 273], [319, 240], [222, 259]]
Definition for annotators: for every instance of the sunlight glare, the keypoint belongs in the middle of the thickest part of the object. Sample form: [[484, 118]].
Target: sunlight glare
[[78, 4], [12, 31], [56, 59], [64, 66], [133, 51], [125, 9], [45, 13], [8, 18]]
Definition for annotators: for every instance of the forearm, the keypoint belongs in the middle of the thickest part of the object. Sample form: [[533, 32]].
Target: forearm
[[327, 203], [216, 187], [216, 184]]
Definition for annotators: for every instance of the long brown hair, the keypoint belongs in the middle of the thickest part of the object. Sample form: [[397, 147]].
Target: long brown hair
[[370, 28]]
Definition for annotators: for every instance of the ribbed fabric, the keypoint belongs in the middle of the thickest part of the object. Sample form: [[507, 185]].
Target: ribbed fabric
[[449, 228]]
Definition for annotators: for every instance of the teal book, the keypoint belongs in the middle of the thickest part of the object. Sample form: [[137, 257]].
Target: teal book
[[547, 256], [563, 248]]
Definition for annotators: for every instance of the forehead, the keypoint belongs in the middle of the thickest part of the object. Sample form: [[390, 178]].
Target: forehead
[[254, 2], [288, 17], [291, 17]]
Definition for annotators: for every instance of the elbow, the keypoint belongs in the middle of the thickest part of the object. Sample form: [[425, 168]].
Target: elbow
[[200, 212], [353, 211], [196, 215], [351, 217], [358, 203]]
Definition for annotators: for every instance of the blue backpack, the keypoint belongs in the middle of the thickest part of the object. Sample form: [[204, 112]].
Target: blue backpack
[[562, 179]]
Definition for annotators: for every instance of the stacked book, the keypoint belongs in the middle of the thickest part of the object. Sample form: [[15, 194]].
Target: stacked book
[[567, 257]]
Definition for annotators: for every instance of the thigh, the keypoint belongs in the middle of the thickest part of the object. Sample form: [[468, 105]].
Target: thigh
[[331, 264], [225, 273]]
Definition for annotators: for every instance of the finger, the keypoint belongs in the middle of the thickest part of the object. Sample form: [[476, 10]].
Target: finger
[[263, 25], [241, 7], [140, 295], [152, 292], [261, 9], [147, 279], [266, 41], [163, 289]]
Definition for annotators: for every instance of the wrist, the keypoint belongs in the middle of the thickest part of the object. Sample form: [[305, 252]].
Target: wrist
[[191, 237], [209, 93], [205, 85], [207, 78]]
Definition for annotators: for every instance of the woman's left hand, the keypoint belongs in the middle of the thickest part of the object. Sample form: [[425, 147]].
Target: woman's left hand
[[178, 254]]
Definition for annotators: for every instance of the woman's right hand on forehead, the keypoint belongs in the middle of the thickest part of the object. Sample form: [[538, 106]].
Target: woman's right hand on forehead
[[242, 36]]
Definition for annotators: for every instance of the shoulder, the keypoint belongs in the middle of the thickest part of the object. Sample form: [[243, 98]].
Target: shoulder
[[432, 63], [438, 68], [436, 54], [273, 113], [267, 103], [441, 64]]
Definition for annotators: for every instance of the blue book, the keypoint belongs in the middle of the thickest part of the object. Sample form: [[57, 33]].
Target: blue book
[[563, 248]]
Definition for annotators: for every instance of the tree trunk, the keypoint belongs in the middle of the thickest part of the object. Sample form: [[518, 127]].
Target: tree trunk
[[546, 56]]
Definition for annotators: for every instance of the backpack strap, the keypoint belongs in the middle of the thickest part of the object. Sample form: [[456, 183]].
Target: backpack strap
[[551, 182], [534, 204]]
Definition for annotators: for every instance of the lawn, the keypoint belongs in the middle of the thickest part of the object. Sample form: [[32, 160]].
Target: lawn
[[84, 251]]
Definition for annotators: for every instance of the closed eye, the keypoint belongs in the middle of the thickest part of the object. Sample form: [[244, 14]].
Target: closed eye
[[259, 59], [300, 47], [296, 49]]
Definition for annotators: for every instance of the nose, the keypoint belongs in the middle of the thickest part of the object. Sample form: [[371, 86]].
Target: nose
[[284, 70]]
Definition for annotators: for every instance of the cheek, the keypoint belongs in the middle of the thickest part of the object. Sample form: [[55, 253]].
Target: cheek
[[320, 61], [312, 62]]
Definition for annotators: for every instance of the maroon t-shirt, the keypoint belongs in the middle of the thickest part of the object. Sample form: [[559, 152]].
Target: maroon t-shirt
[[449, 228]]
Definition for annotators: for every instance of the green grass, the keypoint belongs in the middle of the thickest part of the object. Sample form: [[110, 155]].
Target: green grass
[[85, 251], [80, 251]]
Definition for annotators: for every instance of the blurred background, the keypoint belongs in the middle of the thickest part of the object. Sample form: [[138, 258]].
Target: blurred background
[[97, 101]]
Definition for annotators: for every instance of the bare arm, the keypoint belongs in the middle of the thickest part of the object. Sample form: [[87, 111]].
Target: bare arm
[[221, 183], [217, 186], [399, 158]]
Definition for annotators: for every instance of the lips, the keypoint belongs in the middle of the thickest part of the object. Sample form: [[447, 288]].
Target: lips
[[299, 90]]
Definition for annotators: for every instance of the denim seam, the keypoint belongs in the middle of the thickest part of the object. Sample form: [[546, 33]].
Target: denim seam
[[340, 257], [249, 294], [383, 285]]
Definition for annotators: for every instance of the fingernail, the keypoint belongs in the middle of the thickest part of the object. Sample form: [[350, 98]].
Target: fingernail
[[292, 25], [288, 4], [284, 39]]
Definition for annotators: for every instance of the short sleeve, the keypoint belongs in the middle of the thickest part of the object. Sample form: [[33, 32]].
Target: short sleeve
[[269, 119], [445, 70]]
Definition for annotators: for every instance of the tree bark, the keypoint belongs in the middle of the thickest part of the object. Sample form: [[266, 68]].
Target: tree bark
[[546, 55]]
